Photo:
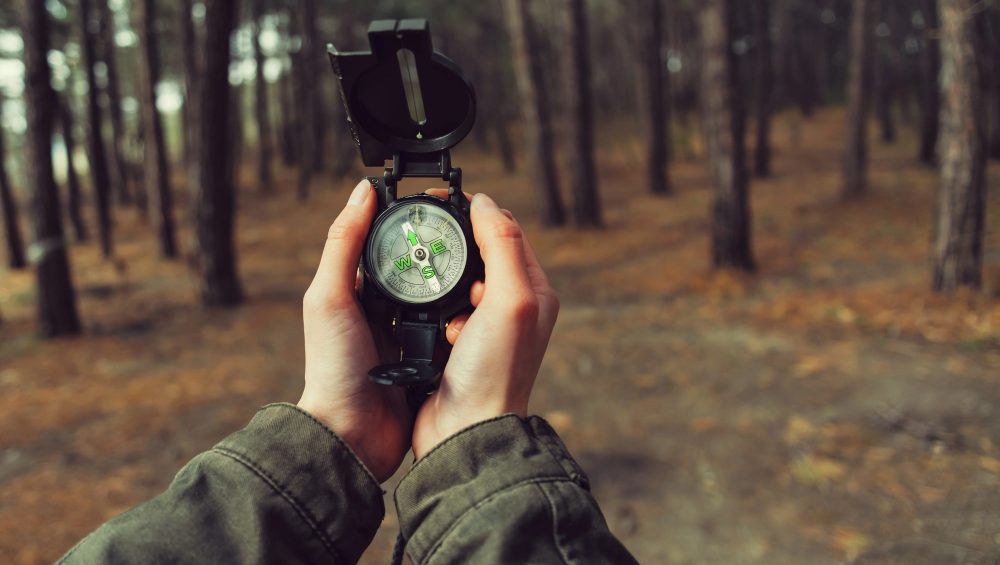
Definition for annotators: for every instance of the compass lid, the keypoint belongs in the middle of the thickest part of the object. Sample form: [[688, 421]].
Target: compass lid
[[402, 97]]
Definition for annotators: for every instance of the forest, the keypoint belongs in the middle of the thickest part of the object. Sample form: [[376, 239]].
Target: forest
[[773, 225]]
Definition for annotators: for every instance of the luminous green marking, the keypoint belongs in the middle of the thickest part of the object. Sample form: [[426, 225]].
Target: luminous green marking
[[403, 263], [428, 272], [412, 237], [437, 247]]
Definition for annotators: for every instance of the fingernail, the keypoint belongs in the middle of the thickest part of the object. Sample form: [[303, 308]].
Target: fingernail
[[360, 193], [483, 201]]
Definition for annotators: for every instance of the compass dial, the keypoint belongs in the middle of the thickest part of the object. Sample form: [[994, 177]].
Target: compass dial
[[417, 253]]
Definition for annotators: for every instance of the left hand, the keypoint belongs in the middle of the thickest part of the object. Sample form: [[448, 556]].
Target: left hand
[[373, 420]]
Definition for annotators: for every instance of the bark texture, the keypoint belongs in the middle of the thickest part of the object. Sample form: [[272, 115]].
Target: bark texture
[[264, 181], [117, 163], [723, 123], [855, 169], [189, 62], [74, 202], [305, 94], [580, 130], [215, 202], [57, 313], [535, 116], [656, 121], [95, 143], [931, 62], [886, 71], [156, 174], [994, 24], [763, 77], [958, 238], [8, 208]]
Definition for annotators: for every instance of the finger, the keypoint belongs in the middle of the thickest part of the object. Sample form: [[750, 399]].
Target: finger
[[501, 244], [455, 327], [476, 293], [336, 277]]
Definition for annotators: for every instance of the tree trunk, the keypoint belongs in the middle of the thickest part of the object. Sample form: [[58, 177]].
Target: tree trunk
[[723, 121], [157, 174], [762, 81], [503, 140], [215, 204], [72, 180], [994, 19], [530, 76], [264, 181], [57, 313], [118, 169], [304, 91], [312, 50], [931, 59], [656, 121], [192, 116], [289, 118], [580, 128], [886, 69], [8, 207], [236, 141], [98, 159], [958, 238], [855, 173]]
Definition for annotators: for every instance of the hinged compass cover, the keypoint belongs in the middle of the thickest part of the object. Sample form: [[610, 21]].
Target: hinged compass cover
[[402, 96]]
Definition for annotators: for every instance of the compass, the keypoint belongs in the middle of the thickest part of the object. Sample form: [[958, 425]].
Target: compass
[[418, 251], [410, 105]]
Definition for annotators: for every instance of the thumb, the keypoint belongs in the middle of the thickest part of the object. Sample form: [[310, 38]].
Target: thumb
[[337, 274]]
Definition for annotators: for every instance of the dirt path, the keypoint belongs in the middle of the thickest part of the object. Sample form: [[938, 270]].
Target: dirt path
[[826, 410]]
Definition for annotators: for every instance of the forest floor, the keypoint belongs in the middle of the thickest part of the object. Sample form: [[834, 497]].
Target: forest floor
[[826, 409]]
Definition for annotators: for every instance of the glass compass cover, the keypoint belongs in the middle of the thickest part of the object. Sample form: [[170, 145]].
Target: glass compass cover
[[418, 253]]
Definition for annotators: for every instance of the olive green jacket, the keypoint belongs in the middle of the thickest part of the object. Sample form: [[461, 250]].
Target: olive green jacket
[[286, 489]]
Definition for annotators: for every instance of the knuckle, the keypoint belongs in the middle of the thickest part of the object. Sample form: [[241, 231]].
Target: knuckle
[[524, 308], [553, 300], [339, 230], [508, 231]]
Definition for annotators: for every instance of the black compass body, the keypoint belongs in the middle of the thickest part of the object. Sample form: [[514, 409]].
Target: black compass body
[[410, 105]]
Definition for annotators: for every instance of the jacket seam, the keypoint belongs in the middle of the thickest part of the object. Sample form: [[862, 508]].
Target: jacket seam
[[292, 501], [488, 498], [555, 523], [329, 432], [456, 435]]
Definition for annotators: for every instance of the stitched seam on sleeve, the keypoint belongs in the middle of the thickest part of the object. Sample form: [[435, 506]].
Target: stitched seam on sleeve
[[489, 498], [329, 432], [555, 524], [299, 508], [454, 437]]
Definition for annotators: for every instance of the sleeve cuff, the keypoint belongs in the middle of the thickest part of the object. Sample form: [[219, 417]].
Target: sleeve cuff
[[319, 476], [473, 465]]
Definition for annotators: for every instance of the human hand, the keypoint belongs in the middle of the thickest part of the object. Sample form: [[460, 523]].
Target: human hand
[[373, 420], [498, 349]]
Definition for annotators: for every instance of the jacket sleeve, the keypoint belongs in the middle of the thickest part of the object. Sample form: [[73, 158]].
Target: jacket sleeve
[[284, 489], [503, 491]]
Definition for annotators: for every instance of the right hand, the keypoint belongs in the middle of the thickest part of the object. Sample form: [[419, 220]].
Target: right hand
[[498, 349]]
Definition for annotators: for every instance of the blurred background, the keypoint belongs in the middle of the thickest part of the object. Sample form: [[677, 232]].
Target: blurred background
[[772, 224]]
